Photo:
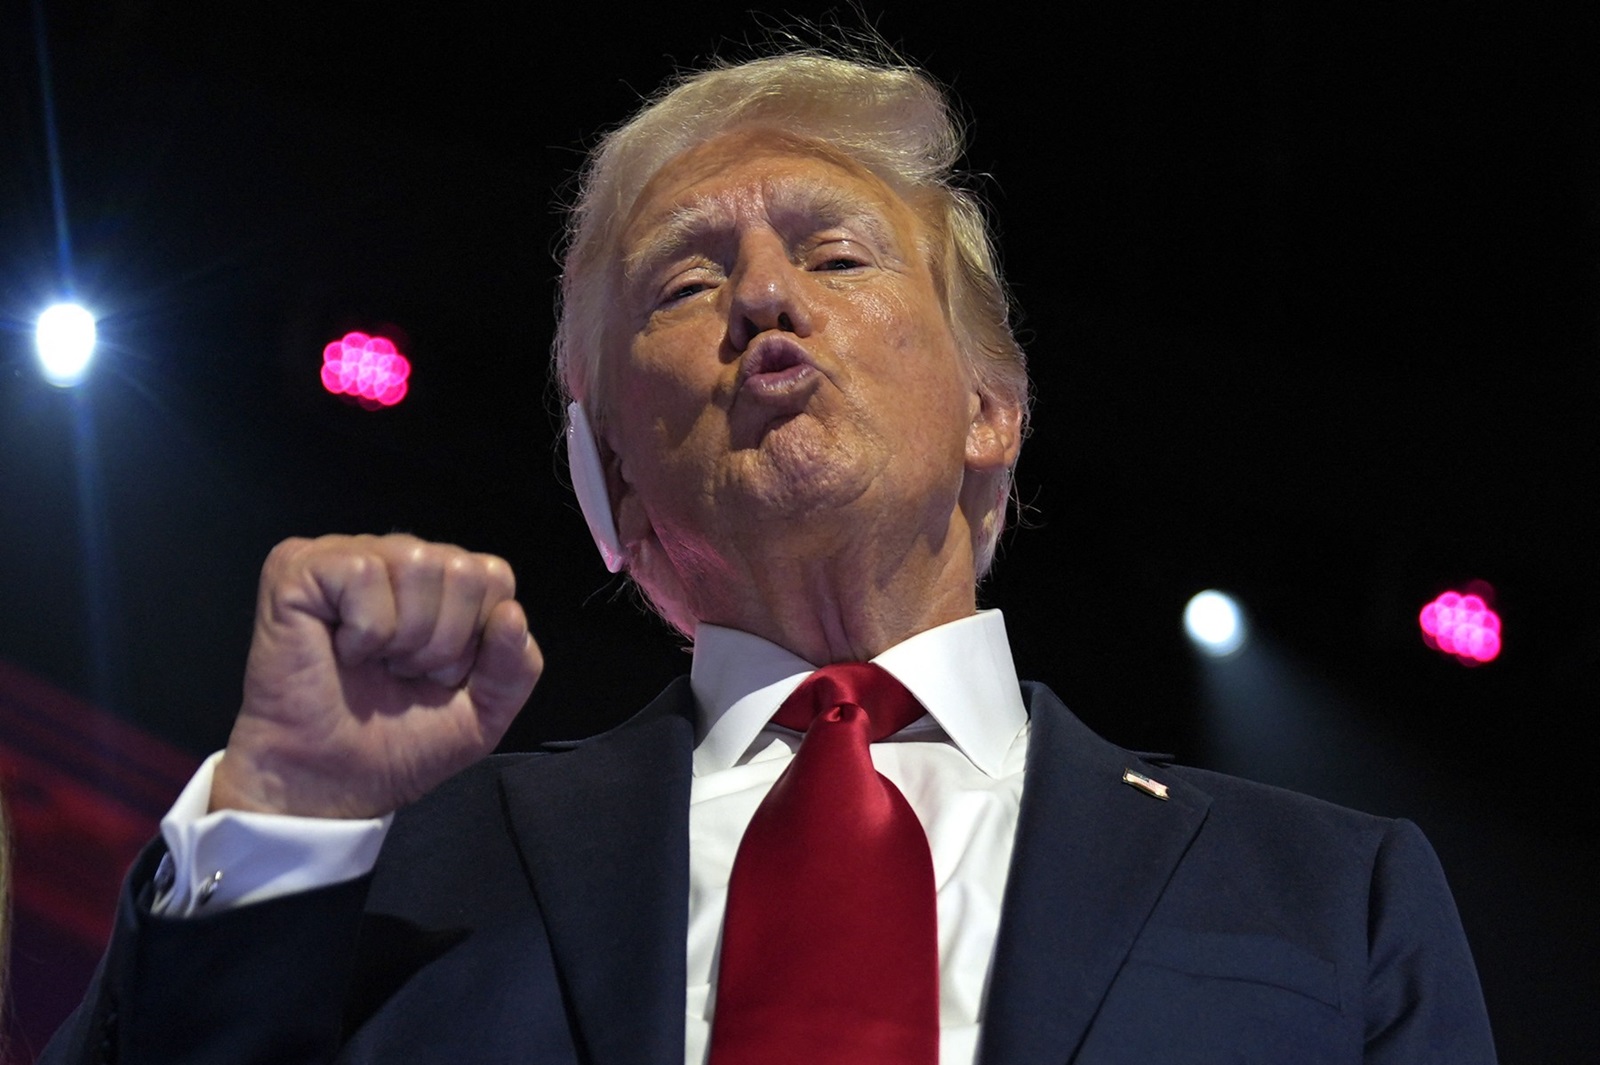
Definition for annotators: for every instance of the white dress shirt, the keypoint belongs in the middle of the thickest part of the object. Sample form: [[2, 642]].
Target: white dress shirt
[[960, 767]]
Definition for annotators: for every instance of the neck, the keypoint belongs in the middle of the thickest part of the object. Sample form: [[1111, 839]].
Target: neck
[[842, 601]]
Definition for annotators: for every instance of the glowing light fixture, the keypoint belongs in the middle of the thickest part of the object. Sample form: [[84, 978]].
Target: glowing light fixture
[[65, 336], [368, 368], [1462, 625], [1215, 624]]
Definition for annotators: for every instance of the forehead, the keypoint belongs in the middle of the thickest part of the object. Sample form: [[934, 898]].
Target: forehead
[[762, 174]]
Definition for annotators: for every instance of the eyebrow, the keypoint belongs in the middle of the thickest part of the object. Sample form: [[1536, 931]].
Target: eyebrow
[[792, 205]]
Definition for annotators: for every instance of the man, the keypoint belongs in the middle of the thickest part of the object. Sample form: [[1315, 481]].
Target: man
[[796, 408]]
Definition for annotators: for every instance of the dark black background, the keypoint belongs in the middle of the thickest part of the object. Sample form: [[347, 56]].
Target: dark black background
[[1309, 290]]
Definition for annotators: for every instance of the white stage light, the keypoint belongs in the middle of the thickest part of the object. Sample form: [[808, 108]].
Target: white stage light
[[65, 338], [1213, 621]]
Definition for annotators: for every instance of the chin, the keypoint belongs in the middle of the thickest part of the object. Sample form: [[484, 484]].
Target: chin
[[794, 474]]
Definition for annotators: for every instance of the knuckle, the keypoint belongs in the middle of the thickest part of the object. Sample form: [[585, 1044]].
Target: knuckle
[[465, 577], [359, 569], [284, 552], [363, 632], [498, 575], [415, 557]]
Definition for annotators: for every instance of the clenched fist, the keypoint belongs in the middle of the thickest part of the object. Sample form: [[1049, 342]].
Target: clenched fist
[[379, 666]]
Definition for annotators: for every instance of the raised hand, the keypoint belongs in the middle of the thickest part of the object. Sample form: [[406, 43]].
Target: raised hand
[[379, 666]]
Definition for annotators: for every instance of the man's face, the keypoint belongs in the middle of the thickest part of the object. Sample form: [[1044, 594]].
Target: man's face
[[781, 351]]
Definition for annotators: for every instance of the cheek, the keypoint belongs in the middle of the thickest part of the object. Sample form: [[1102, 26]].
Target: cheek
[[921, 355], [665, 404], [660, 382], [882, 314], [879, 339], [932, 387]]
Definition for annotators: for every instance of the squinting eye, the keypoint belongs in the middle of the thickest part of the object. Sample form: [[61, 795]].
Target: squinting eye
[[840, 262], [683, 292]]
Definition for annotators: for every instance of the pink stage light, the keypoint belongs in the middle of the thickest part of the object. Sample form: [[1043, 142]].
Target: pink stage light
[[370, 369], [1461, 625]]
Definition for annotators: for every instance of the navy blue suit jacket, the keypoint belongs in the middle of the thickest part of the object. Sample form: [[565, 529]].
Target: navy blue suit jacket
[[534, 910]]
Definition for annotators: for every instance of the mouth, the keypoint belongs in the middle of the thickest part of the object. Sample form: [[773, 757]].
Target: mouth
[[775, 370]]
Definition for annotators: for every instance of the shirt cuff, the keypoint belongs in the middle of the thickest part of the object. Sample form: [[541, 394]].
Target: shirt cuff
[[230, 858]]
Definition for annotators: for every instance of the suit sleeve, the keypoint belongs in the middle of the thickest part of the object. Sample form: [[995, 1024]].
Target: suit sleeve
[[1424, 1004], [264, 983]]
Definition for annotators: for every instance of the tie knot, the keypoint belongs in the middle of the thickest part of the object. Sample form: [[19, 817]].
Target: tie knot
[[888, 705]]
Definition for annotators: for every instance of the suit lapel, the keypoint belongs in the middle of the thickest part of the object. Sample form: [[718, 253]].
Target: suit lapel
[[603, 830], [604, 834], [1093, 855]]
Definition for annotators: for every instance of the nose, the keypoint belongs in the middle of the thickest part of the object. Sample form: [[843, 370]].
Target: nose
[[768, 293]]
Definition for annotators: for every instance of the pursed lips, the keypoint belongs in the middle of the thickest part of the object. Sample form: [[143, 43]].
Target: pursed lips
[[775, 369]]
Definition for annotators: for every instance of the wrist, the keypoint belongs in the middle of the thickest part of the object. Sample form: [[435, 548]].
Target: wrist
[[236, 785]]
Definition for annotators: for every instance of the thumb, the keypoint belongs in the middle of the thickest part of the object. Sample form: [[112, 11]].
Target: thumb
[[507, 666]]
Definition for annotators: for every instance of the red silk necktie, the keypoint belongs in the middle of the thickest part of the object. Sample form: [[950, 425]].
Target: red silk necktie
[[830, 945]]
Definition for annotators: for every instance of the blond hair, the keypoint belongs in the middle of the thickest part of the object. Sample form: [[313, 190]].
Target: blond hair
[[889, 117]]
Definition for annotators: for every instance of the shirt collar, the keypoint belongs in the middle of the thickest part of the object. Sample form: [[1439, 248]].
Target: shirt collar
[[961, 672]]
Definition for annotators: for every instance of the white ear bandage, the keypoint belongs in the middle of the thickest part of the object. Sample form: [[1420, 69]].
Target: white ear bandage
[[589, 482]]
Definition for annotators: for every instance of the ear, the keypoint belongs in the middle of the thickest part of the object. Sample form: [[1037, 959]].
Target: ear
[[994, 436], [632, 522], [591, 483], [636, 544]]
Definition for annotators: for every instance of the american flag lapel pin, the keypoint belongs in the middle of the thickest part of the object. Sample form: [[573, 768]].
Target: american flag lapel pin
[[1144, 783]]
